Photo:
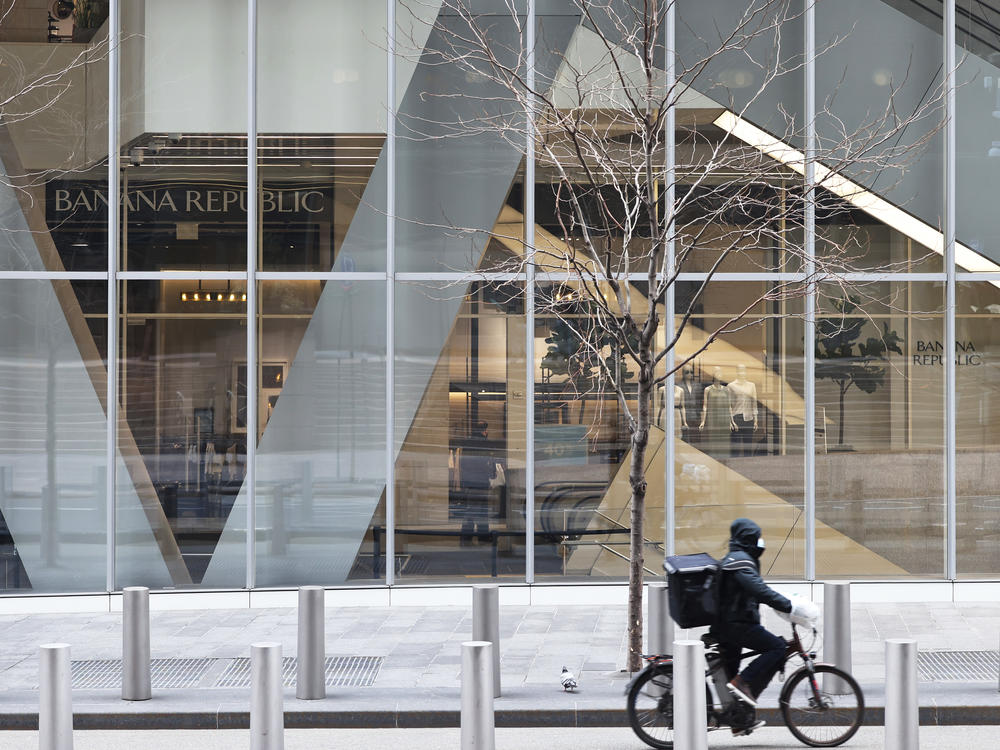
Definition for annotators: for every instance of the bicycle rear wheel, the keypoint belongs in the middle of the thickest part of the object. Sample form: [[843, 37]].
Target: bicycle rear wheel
[[817, 717], [650, 707]]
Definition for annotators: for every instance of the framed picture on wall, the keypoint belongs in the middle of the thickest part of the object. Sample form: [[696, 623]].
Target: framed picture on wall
[[271, 381]]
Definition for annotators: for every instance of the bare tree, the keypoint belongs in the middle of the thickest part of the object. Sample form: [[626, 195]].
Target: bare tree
[[598, 106]]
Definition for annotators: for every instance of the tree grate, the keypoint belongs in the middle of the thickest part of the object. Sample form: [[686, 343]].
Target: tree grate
[[106, 674], [341, 671], [958, 666]]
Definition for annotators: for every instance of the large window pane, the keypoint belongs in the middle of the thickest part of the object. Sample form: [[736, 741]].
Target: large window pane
[[53, 146], [459, 132], [880, 431], [977, 139], [977, 422], [183, 124], [53, 454], [739, 413], [321, 115], [582, 441], [460, 389], [183, 380], [321, 426], [879, 115]]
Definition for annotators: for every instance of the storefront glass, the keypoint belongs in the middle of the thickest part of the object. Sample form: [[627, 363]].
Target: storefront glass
[[460, 440], [738, 420], [322, 131], [53, 146], [182, 404], [977, 139], [462, 329], [182, 134], [456, 156], [880, 431], [582, 443], [977, 416], [53, 470], [879, 124], [321, 433]]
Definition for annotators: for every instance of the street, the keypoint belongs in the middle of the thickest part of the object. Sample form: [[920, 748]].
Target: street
[[869, 738]]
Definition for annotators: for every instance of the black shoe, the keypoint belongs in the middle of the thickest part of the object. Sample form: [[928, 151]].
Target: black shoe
[[744, 731], [741, 691]]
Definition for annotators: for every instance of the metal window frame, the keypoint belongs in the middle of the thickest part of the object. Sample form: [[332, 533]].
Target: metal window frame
[[529, 304], [809, 249], [950, 479], [390, 297], [669, 302], [113, 230], [250, 478]]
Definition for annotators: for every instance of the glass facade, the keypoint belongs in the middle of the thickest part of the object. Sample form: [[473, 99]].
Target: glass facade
[[330, 361]]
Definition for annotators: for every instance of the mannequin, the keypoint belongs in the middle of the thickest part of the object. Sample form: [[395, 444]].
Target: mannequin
[[743, 399], [679, 421], [716, 417], [691, 391]]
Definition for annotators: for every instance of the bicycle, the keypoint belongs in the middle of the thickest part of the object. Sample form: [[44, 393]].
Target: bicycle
[[814, 714]]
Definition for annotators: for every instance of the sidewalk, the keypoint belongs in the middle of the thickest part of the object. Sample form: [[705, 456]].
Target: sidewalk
[[417, 679]]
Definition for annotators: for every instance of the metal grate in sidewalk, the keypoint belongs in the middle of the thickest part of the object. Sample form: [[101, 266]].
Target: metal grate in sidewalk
[[341, 671], [106, 674], [957, 666], [164, 673]]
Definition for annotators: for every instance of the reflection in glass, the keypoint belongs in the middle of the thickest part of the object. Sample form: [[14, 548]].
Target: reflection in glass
[[183, 160], [880, 431], [53, 146], [321, 451], [182, 367], [977, 423], [456, 156], [53, 455], [460, 414], [582, 442], [738, 423]]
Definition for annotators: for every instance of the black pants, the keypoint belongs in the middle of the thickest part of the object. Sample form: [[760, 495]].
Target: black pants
[[743, 437], [734, 638]]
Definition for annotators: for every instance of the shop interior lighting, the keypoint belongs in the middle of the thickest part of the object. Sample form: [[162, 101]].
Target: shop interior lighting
[[858, 196], [213, 295]]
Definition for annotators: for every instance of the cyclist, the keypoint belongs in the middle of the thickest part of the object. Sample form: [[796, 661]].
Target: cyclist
[[742, 591]]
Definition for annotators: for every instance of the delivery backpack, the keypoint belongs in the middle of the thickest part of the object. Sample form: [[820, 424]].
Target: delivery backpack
[[693, 589]]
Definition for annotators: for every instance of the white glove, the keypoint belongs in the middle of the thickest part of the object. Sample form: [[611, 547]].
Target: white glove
[[804, 612]]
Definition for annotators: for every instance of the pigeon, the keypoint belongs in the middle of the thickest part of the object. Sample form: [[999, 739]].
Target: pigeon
[[568, 680]]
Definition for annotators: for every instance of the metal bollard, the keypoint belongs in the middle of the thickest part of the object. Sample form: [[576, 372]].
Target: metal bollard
[[267, 716], [310, 679], [55, 701], [477, 729], [136, 680], [837, 633], [690, 711], [486, 624], [902, 714], [660, 633]]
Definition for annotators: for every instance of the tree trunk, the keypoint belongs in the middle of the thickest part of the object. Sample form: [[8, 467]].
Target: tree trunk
[[840, 427], [637, 480]]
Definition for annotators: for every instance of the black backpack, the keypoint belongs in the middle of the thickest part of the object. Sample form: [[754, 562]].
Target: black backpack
[[693, 589]]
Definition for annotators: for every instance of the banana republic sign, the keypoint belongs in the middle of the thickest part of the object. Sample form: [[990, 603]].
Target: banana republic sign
[[69, 201]]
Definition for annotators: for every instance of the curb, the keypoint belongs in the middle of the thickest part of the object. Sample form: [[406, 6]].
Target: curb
[[431, 719]]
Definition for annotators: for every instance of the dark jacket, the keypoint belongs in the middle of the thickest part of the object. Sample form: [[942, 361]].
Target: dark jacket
[[743, 589]]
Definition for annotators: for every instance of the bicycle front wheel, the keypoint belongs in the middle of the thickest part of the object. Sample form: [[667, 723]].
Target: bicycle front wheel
[[650, 707], [823, 708]]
